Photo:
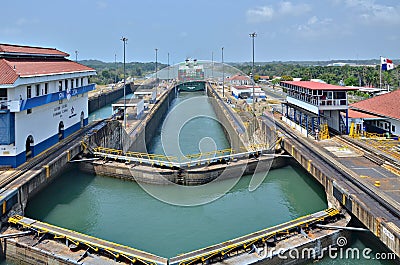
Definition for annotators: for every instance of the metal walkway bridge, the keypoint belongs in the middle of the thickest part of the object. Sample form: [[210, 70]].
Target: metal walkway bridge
[[207, 255], [185, 161], [97, 245]]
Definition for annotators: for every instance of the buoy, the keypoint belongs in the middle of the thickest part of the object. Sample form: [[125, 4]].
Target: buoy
[[377, 183]]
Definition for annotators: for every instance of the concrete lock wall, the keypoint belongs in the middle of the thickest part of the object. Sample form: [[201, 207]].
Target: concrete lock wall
[[28, 255], [104, 99], [237, 141], [40, 179], [107, 135], [152, 121], [341, 194]]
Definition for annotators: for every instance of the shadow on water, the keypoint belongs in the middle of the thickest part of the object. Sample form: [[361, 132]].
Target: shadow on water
[[57, 189]]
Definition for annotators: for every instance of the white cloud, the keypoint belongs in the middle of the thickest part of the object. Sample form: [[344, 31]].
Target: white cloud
[[268, 12], [287, 8], [263, 13], [312, 20], [371, 12]]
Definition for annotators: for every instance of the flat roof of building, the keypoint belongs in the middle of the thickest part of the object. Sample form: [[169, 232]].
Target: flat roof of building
[[245, 87], [318, 86], [386, 105], [129, 103]]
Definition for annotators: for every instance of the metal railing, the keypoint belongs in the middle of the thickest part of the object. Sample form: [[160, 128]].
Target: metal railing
[[184, 161]]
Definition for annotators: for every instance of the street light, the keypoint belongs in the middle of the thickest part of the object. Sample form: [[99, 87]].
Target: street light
[[253, 35], [125, 40], [115, 64], [76, 56], [156, 71], [168, 70], [223, 74], [212, 65]]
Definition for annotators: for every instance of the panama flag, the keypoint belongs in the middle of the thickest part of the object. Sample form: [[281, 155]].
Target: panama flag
[[386, 64]]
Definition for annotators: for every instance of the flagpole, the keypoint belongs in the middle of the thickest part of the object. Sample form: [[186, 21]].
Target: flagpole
[[380, 73]]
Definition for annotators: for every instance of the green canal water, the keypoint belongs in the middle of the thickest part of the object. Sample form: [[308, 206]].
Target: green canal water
[[122, 212], [191, 127]]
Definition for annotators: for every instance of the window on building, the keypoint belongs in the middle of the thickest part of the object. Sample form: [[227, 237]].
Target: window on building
[[28, 111], [82, 82], [66, 84], [46, 88], [72, 83], [60, 86], [76, 82], [38, 90], [393, 128], [29, 92], [386, 126]]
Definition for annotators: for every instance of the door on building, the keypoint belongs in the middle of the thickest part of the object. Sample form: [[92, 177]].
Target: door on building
[[60, 131], [29, 146]]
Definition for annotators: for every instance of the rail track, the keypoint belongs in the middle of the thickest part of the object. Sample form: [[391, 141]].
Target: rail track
[[389, 204], [40, 160]]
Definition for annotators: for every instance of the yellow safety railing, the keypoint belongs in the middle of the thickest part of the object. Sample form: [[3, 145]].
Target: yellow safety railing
[[76, 238], [227, 246]]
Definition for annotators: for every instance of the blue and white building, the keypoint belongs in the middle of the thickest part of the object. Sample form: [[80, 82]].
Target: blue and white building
[[43, 99]]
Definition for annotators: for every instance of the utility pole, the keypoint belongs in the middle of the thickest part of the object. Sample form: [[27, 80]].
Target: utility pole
[[156, 71], [223, 74], [168, 69], [212, 64], [125, 40], [253, 35], [115, 64]]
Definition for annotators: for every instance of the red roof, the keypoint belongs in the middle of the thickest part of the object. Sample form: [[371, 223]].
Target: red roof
[[12, 68], [360, 115], [9, 48], [317, 85], [239, 77], [385, 105]]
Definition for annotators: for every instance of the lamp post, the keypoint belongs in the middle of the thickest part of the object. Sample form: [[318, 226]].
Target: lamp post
[[156, 71], [168, 69], [212, 65], [125, 41], [223, 74], [115, 64], [253, 35]]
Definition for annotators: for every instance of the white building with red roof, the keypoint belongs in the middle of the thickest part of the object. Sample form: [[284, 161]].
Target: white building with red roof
[[311, 104], [43, 98], [239, 80], [380, 114]]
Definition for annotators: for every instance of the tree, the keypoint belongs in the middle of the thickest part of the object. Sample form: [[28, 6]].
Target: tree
[[351, 81], [286, 78], [275, 82], [105, 74]]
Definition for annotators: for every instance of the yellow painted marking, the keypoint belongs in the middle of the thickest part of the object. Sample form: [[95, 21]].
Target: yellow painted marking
[[343, 199], [309, 166], [4, 206], [47, 170]]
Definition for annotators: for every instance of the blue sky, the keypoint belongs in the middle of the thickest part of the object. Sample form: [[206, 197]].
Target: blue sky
[[287, 30]]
